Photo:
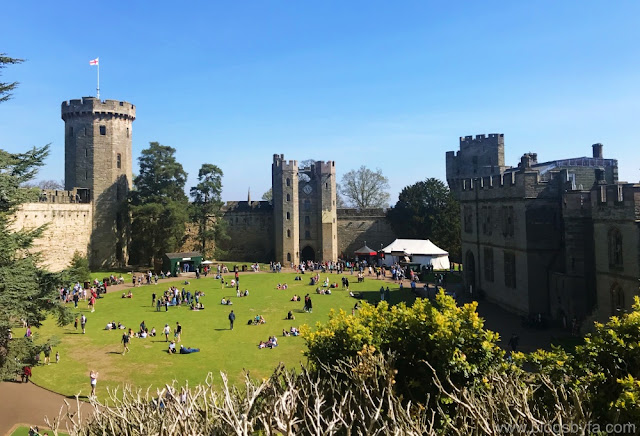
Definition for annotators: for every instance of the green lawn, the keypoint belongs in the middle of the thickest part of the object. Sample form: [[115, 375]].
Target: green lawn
[[148, 363], [24, 431]]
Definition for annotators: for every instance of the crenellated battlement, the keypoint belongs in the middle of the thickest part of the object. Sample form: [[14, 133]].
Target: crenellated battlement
[[322, 167], [92, 106], [494, 139], [284, 165]]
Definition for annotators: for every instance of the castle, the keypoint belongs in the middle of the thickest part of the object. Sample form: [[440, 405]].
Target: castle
[[559, 238], [302, 222]]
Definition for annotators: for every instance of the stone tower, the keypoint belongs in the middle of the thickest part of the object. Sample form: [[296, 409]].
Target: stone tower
[[321, 229], [284, 179], [98, 159]]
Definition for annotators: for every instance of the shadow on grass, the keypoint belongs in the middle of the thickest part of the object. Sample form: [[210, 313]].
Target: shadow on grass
[[72, 333], [395, 296]]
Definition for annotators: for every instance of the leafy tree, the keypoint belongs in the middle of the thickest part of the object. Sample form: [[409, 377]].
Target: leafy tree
[[6, 88], [427, 210], [207, 206], [78, 270], [607, 365], [268, 196], [364, 188], [159, 205], [450, 338], [45, 184], [26, 291]]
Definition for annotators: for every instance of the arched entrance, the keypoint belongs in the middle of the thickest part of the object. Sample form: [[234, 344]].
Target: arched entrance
[[470, 271], [617, 300], [308, 253]]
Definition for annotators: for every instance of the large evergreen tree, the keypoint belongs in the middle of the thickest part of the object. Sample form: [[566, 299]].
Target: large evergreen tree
[[427, 210], [159, 205], [26, 291], [207, 206]]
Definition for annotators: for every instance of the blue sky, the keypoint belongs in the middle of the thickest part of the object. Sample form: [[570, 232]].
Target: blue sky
[[389, 85]]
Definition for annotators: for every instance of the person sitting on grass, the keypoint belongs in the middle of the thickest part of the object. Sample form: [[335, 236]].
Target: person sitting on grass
[[285, 286], [295, 298], [188, 350], [153, 332], [223, 301], [290, 315], [172, 347], [273, 342], [262, 320], [285, 333], [246, 292], [294, 331], [262, 344]]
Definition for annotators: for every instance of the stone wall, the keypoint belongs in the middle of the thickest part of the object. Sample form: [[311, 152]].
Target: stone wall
[[357, 226], [251, 231], [68, 230]]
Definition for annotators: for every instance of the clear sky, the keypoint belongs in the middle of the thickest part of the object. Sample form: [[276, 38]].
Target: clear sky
[[385, 84]]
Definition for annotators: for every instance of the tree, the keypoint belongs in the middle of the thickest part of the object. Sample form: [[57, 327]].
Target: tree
[[268, 196], [450, 338], [159, 205], [427, 210], [26, 291], [78, 271], [207, 206], [6, 88], [363, 188], [45, 184]]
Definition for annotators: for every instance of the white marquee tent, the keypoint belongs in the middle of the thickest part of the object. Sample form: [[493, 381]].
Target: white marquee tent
[[421, 251]]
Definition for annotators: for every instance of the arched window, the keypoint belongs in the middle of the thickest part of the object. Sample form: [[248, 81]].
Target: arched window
[[615, 248], [288, 197], [288, 181], [617, 300], [119, 161], [288, 215], [288, 257], [288, 233]]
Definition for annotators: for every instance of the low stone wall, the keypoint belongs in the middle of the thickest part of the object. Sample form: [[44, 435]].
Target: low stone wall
[[68, 230]]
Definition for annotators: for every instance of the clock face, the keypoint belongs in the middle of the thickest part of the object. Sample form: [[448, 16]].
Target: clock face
[[307, 189]]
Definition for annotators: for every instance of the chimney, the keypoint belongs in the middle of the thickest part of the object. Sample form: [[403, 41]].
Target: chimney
[[597, 150]]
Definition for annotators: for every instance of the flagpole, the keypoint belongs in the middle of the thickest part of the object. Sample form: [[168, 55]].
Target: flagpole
[[98, 88]]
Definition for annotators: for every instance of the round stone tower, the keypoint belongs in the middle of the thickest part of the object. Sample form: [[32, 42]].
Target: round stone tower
[[98, 160]]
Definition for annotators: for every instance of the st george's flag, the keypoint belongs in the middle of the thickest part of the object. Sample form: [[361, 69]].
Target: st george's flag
[[94, 62]]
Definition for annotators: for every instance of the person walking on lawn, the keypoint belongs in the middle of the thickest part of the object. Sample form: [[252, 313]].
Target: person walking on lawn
[[166, 332], [125, 341], [232, 318]]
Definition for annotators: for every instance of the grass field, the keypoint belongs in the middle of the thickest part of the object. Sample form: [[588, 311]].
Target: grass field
[[148, 363], [24, 431]]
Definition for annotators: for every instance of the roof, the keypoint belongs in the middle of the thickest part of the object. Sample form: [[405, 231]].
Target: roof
[[182, 255], [365, 250], [413, 247]]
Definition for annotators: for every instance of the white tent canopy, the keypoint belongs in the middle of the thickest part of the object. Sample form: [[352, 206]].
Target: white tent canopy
[[421, 251]]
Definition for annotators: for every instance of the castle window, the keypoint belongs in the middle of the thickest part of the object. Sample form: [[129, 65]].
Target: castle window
[[488, 264], [508, 223], [86, 175], [127, 132], [307, 220], [288, 181], [288, 233], [509, 270], [615, 249], [119, 161], [103, 130], [307, 205], [486, 222], [288, 197], [288, 215], [326, 186], [468, 219], [617, 301], [307, 234], [86, 152], [288, 257]]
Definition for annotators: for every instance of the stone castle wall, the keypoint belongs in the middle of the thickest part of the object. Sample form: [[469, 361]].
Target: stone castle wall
[[355, 227], [68, 230], [250, 229]]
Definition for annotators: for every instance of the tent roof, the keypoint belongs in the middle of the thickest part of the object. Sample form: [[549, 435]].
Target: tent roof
[[415, 247], [366, 250], [183, 255]]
